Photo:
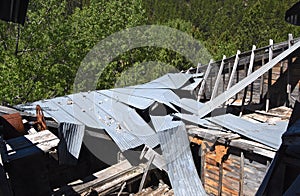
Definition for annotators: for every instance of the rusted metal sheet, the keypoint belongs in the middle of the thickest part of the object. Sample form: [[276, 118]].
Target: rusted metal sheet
[[12, 125]]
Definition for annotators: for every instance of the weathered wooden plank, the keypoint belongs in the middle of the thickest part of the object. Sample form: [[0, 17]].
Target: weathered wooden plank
[[146, 172], [103, 175], [218, 79], [233, 140], [105, 180], [27, 145], [236, 61], [204, 81], [269, 74], [158, 161], [220, 99], [248, 73], [102, 190]]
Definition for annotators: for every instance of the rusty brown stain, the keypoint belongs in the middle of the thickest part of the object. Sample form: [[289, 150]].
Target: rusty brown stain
[[220, 152]]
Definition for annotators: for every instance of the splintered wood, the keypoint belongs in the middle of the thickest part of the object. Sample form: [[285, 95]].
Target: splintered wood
[[162, 189]]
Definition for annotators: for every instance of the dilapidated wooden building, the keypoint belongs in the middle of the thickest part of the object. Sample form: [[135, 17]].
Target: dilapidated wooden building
[[214, 129]]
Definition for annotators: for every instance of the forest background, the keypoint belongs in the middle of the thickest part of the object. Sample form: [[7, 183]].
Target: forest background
[[58, 34]]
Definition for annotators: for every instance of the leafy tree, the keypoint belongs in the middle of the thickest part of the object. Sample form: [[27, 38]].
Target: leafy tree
[[53, 42]]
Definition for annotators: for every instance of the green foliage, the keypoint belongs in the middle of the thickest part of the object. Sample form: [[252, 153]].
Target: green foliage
[[53, 42], [59, 34], [228, 25]]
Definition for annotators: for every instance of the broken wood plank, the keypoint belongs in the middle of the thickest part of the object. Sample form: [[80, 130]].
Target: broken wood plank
[[158, 160], [146, 172], [117, 182], [107, 179]]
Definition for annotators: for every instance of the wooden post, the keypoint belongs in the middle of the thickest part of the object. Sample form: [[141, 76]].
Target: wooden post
[[281, 68], [237, 80], [236, 61], [269, 76], [146, 172], [261, 85], [211, 83], [198, 66], [251, 92], [248, 73], [289, 87], [241, 182], [203, 164], [214, 92], [220, 179], [268, 165], [202, 87], [224, 81]]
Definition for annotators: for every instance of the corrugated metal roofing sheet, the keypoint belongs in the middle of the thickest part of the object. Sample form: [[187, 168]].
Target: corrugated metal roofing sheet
[[270, 135], [128, 98], [196, 120], [161, 123], [180, 165], [113, 110], [71, 136], [189, 105], [169, 81], [193, 85], [164, 96]]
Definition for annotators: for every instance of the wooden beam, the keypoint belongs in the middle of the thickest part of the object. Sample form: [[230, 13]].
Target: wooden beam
[[236, 62], [218, 79], [198, 66], [261, 85], [233, 140], [202, 87], [248, 73], [223, 97], [104, 181], [269, 75], [241, 182], [149, 163], [203, 157], [220, 179], [289, 86], [158, 161]]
